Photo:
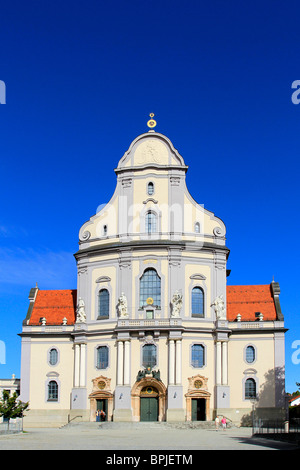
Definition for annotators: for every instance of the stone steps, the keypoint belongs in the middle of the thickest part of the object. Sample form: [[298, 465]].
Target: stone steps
[[139, 425]]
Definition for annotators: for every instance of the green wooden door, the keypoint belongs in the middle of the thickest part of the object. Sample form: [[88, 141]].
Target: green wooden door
[[198, 409], [194, 409], [149, 409]]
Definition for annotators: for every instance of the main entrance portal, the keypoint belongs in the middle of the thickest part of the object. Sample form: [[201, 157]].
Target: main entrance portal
[[148, 398], [149, 404], [149, 409]]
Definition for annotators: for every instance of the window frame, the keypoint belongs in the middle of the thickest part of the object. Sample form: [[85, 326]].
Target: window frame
[[192, 361], [146, 347], [152, 186], [50, 358], [194, 314], [247, 348], [148, 224], [145, 291], [98, 363], [106, 316], [56, 398], [246, 389]]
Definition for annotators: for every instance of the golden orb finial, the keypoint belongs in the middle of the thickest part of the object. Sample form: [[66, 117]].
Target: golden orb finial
[[151, 123]]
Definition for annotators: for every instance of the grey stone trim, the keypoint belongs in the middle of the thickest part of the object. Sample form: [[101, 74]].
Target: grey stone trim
[[32, 296], [148, 244], [222, 397], [279, 369], [199, 342], [103, 279], [249, 374], [275, 288], [245, 352], [25, 369], [98, 345], [48, 355], [55, 379], [99, 287]]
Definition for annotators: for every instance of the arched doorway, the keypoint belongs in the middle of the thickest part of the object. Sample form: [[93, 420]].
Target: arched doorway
[[148, 399], [101, 398], [198, 399], [149, 404]]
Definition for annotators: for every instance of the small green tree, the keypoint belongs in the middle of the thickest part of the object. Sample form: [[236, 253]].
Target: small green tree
[[11, 407]]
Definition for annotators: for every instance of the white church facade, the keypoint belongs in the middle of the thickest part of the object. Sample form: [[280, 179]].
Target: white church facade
[[153, 332]]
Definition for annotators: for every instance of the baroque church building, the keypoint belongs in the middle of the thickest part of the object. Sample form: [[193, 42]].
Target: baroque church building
[[153, 332]]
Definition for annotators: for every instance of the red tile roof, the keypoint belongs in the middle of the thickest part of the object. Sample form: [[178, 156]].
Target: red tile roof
[[247, 300], [54, 305]]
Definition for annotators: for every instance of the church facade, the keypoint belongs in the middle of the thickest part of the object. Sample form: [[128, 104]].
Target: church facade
[[153, 332]]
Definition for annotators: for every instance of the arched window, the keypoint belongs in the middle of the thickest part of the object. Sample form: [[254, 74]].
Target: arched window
[[250, 354], [52, 391], [150, 288], [197, 302], [149, 355], [53, 357], [197, 355], [150, 222], [103, 304], [105, 230], [250, 389], [102, 357], [197, 227], [150, 188]]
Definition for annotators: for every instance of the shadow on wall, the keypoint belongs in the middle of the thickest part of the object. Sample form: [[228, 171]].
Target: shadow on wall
[[270, 402]]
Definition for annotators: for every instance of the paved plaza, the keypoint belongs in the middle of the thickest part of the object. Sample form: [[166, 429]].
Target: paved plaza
[[138, 437]]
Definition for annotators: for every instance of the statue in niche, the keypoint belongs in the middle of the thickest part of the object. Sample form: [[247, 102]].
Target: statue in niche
[[122, 306], [80, 311], [176, 304], [219, 306]]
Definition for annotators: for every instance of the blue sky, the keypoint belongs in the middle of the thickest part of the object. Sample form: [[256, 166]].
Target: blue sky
[[81, 79]]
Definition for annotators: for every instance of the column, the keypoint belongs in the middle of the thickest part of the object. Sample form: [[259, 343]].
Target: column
[[178, 362], [127, 363], [219, 363], [77, 365], [224, 363], [171, 362], [82, 364], [120, 363]]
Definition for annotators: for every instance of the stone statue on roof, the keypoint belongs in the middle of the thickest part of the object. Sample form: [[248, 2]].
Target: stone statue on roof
[[122, 306], [80, 311], [219, 306], [176, 304]]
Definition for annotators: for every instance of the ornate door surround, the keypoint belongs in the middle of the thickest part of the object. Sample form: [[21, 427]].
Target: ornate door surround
[[139, 389], [101, 390], [197, 389]]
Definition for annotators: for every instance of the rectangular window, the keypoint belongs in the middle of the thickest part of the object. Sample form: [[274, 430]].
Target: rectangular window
[[149, 355], [102, 357], [197, 355]]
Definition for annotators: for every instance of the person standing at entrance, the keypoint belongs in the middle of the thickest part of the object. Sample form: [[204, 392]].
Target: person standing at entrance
[[102, 415], [217, 422]]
